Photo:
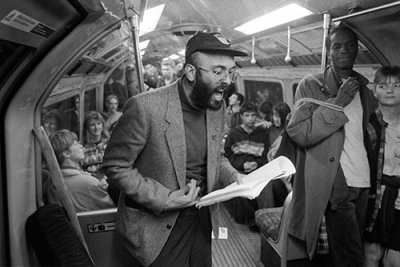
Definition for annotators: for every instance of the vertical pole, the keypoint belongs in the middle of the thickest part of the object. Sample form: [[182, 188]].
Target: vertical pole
[[325, 27], [134, 21], [134, 25]]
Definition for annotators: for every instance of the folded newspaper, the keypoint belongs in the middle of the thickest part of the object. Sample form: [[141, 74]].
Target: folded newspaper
[[253, 183]]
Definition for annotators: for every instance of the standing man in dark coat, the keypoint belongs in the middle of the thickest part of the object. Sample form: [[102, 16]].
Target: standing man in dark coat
[[337, 155]]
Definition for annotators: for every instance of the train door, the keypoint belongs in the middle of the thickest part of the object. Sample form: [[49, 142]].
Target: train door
[[60, 65]]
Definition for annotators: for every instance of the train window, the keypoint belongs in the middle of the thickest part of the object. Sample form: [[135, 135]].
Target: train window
[[90, 101], [260, 91], [111, 69], [122, 83], [68, 110]]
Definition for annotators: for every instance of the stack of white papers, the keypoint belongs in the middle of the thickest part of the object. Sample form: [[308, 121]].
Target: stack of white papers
[[253, 183]]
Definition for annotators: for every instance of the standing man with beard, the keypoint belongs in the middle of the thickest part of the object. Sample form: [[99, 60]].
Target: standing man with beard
[[165, 153]]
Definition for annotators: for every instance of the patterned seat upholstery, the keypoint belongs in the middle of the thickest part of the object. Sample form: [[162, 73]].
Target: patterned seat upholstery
[[268, 220]]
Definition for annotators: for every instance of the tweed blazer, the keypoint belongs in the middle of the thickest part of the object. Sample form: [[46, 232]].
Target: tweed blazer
[[146, 158]]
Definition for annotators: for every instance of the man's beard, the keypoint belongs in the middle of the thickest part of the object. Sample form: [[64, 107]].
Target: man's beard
[[202, 94]]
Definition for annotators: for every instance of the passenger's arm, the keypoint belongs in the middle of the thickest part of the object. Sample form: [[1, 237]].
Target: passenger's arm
[[261, 161], [228, 174], [311, 123]]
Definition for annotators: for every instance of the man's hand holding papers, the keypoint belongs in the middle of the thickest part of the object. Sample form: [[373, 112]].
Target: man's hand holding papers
[[251, 185]]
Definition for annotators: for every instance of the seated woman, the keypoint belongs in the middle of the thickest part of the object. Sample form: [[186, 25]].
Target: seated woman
[[51, 121], [95, 139], [265, 112], [280, 188], [279, 115], [112, 113], [87, 193]]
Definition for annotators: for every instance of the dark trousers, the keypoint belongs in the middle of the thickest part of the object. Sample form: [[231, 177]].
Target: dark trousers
[[190, 241], [345, 225]]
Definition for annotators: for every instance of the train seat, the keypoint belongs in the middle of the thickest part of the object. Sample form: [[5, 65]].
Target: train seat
[[268, 220], [277, 247], [105, 246]]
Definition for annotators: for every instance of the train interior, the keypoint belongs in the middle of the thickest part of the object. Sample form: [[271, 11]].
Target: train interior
[[67, 55]]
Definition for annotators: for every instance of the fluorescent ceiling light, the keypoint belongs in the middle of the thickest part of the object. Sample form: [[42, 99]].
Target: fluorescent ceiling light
[[150, 19], [174, 56], [280, 16], [143, 45]]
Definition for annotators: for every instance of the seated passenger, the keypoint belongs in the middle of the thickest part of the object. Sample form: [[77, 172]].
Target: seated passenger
[[51, 121], [246, 148], [112, 112], [265, 111], [280, 112], [233, 116], [86, 192], [383, 231], [95, 139]]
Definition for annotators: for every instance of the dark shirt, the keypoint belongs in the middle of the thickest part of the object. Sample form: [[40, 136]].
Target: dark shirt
[[241, 146], [194, 120], [274, 132]]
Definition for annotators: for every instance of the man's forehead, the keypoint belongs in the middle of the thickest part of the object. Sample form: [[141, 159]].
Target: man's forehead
[[216, 59], [341, 36]]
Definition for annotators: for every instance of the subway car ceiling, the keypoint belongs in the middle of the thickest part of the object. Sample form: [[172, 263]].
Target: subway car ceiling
[[180, 19]]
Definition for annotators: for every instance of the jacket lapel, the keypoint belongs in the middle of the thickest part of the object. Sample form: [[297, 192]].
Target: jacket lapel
[[175, 133], [213, 146]]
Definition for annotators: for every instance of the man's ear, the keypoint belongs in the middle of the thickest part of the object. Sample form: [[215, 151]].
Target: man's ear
[[66, 154], [190, 72]]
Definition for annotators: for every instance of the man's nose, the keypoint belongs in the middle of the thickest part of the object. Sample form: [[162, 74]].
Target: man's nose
[[226, 77]]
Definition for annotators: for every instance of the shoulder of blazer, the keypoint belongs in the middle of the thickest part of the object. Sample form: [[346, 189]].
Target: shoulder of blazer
[[157, 98]]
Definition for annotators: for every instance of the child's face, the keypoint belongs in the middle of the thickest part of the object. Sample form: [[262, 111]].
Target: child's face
[[249, 118], [95, 127], [76, 152], [276, 118], [387, 91]]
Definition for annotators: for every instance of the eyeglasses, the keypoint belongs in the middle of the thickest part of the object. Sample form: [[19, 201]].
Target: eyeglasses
[[385, 86], [220, 73]]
